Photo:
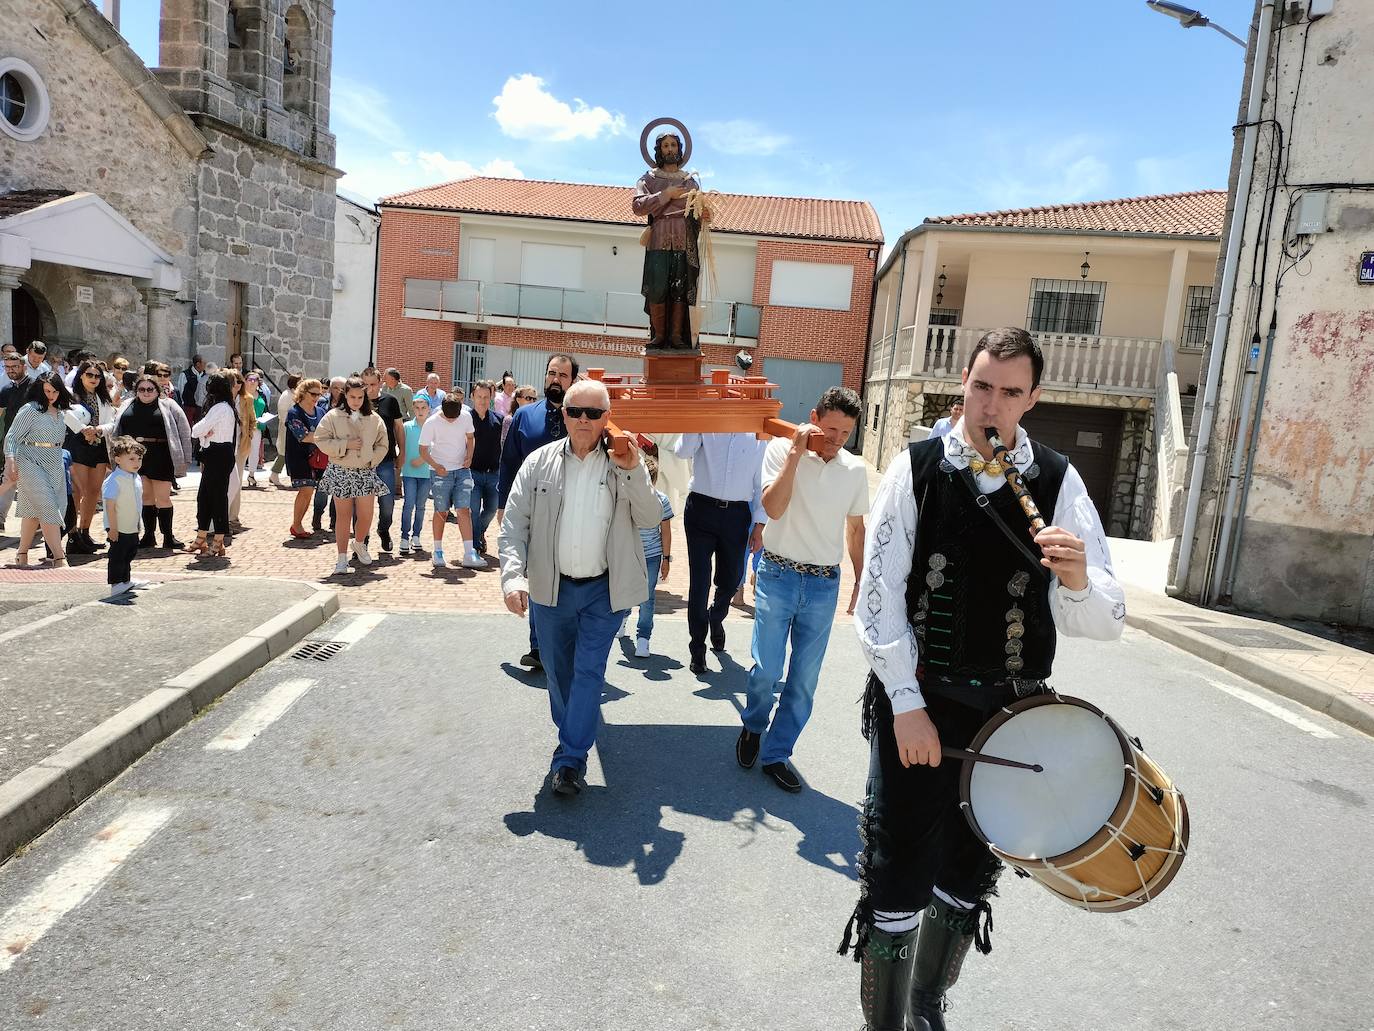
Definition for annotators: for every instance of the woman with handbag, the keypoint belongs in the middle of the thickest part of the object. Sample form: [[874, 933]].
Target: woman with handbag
[[305, 463], [354, 437], [160, 426]]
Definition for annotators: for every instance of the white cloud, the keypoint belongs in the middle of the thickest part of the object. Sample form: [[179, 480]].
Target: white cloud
[[525, 110], [454, 168], [362, 109], [1030, 175], [740, 136]]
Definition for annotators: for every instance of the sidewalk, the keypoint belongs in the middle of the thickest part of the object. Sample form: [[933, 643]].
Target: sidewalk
[[89, 683]]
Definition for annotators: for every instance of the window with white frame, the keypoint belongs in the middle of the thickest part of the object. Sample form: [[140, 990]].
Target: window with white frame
[[551, 264], [1066, 306], [811, 284], [24, 103], [1195, 319], [480, 260]]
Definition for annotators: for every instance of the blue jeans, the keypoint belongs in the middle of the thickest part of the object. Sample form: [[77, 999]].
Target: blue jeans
[[450, 491], [787, 604], [386, 503], [483, 502], [645, 626], [577, 635], [416, 490]]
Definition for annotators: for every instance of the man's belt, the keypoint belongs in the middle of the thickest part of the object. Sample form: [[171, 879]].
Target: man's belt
[[151, 440], [583, 579], [706, 499], [25, 443], [806, 568]]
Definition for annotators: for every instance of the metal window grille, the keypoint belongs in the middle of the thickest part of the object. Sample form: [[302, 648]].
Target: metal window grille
[[1066, 306], [944, 316], [1195, 322]]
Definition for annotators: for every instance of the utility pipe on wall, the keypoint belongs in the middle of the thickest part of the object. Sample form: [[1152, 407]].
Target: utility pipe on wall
[[1220, 333], [892, 355]]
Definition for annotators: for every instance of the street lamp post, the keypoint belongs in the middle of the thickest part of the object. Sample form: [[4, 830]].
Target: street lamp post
[[1191, 19]]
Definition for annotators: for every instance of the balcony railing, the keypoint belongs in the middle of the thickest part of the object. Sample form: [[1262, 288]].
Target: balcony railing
[[613, 313]]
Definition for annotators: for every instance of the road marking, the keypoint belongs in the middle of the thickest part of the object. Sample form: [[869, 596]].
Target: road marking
[[240, 734], [359, 628], [1264, 705], [39, 624], [76, 880]]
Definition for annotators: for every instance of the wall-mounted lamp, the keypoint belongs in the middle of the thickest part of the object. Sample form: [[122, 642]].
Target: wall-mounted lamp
[[614, 250], [1084, 268], [941, 280]]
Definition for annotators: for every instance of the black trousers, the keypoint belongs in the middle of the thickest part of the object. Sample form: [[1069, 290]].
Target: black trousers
[[915, 835], [212, 497], [716, 531], [121, 555]]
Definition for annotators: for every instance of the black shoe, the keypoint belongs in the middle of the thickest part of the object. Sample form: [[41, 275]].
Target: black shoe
[[697, 665], [566, 782], [747, 748], [784, 776], [76, 545], [385, 539], [95, 546], [531, 659], [718, 637]]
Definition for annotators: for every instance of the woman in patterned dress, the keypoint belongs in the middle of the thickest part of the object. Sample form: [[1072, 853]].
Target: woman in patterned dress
[[34, 446], [354, 438], [90, 456]]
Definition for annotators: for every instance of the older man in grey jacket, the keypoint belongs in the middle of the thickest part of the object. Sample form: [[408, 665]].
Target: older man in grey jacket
[[570, 547]]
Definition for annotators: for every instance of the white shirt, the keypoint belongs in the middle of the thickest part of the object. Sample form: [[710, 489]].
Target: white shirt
[[824, 494], [726, 466], [1097, 612], [585, 519], [218, 426], [447, 440]]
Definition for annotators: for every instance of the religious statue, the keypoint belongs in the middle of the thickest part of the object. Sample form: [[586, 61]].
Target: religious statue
[[672, 199]]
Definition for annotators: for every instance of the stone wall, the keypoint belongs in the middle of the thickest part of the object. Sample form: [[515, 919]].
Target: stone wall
[[267, 221]]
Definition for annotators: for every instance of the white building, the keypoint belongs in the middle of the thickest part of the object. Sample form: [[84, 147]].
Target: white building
[[353, 330]]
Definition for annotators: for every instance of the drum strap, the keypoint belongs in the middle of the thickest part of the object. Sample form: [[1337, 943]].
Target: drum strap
[[981, 499]]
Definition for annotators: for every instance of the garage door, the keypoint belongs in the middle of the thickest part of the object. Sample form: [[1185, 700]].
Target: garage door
[[1089, 437], [800, 384]]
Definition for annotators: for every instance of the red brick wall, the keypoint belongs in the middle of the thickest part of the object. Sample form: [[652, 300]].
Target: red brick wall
[[414, 245], [811, 334]]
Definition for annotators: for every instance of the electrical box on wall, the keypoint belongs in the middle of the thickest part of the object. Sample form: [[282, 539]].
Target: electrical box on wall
[[1318, 8], [1309, 217]]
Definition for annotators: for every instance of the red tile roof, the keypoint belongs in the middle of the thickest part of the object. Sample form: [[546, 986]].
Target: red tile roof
[[845, 220], [1198, 213], [16, 202]]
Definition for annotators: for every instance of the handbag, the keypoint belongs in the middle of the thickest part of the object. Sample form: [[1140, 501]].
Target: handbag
[[318, 459]]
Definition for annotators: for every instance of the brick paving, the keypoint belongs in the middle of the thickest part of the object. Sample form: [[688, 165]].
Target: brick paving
[[392, 583]]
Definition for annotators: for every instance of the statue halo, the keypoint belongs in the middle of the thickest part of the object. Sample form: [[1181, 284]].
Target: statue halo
[[647, 152]]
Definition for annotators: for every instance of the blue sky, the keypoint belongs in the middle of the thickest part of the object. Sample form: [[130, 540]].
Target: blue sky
[[921, 108]]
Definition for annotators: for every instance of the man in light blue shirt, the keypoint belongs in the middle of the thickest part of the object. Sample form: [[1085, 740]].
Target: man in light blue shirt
[[943, 426], [724, 502]]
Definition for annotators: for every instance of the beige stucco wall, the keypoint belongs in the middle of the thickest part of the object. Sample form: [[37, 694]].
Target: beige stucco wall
[[1307, 539]]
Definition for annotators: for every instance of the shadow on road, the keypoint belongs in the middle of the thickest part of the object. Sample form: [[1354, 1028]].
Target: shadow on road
[[690, 770]]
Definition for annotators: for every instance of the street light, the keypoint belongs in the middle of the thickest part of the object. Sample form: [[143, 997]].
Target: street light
[[1191, 19]]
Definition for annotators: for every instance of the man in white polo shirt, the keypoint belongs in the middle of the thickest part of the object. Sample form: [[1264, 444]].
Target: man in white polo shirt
[[816, 501]]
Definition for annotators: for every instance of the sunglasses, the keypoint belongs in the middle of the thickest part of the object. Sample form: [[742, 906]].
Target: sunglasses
[[90, 375], [164, 375], [147, 390], [575, 412]]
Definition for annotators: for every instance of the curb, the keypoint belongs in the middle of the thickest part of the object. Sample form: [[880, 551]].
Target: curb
[[1300, 688], [37, 798]]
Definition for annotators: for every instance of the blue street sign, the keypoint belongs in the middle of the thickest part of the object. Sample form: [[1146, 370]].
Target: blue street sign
[[1366, 273]]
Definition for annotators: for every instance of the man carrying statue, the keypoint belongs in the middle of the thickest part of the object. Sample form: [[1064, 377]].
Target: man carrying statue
[[672, 260]]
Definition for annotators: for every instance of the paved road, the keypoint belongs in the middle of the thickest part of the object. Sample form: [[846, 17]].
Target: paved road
[[381, 856]]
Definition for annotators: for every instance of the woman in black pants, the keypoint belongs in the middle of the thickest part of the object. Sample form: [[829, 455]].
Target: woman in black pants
[[218, 434]]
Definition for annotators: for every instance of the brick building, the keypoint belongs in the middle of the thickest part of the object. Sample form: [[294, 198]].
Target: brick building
[[482, 275]]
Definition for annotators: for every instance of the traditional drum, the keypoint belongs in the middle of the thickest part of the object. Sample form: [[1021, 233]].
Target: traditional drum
[[1102, 827]]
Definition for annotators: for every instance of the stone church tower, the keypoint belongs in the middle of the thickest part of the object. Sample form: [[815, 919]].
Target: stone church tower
[[254, 79]]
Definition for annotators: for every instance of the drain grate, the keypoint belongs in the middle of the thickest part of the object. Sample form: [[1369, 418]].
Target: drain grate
[[6, 607], [320, 651]]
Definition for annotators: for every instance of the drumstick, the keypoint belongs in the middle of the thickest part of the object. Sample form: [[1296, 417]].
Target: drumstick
[[980, 757]]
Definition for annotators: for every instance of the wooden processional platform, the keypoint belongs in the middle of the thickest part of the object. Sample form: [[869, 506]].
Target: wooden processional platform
[[672, 396]]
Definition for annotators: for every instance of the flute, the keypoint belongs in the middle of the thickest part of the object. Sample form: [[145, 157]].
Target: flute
[[1000, 454]]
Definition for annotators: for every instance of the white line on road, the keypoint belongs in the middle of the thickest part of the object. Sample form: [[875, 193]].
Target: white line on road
[[239, 734], [76, 880], [39, 624], [1264, 705], [358, 628]]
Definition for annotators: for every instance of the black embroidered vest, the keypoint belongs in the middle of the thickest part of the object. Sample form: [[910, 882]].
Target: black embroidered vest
[[979, 609]]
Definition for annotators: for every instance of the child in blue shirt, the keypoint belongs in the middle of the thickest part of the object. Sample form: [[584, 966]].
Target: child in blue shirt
[[658, 556], [415, 480], [123, 494]]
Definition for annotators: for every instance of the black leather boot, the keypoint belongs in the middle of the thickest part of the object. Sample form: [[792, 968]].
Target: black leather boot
[[885, 980], [658, 321], [942, 942], [95, 546], [164, 522], [76, 545], [679, 337], [149, 538]]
